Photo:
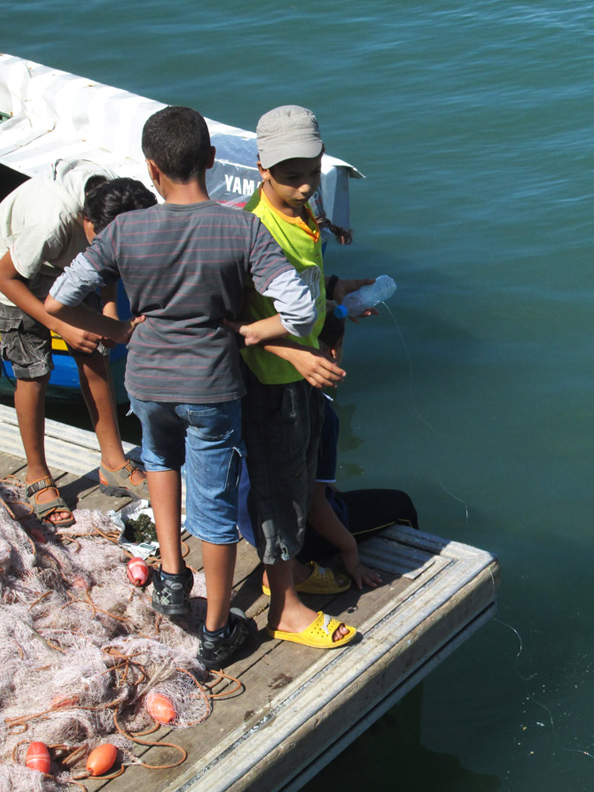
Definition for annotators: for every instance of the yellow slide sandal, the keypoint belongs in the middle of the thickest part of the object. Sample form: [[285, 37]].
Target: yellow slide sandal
[[322, 580], [318, 634]]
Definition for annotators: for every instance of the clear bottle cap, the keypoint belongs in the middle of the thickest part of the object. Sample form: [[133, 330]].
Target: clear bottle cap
[[340, 311]]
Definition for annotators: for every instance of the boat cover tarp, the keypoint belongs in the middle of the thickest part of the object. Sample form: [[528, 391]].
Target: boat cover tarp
[[53, 114]]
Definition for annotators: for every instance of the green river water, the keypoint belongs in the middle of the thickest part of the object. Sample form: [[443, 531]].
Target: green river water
[[473, 124]]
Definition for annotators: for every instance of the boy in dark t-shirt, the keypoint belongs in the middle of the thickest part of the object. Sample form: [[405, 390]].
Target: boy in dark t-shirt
[[183, 264]]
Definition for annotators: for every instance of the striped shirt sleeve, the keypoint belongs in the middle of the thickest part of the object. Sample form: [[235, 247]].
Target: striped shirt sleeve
[[77, 280], [274, 277]]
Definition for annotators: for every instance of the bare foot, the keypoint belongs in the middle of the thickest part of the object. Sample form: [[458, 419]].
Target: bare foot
[[340, 632]]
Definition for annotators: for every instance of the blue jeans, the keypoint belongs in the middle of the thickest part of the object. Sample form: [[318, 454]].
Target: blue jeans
[[208, 438]]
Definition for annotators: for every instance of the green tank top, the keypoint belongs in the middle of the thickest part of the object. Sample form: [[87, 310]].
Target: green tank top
[[302, 245]]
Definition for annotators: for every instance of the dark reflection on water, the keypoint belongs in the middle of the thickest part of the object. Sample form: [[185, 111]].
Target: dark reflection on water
[[392, 749]]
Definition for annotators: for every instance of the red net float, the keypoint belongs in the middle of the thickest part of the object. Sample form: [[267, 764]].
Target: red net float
[[160, 708], [37, 757], [138, 571]]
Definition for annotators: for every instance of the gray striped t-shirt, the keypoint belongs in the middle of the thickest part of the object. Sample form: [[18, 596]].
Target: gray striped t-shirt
[[184, 268]]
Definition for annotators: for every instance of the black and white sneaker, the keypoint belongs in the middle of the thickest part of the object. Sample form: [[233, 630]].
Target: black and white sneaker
[[215, 651], [171, 594]]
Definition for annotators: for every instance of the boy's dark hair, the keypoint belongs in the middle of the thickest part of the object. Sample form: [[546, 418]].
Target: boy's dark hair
[[94, 181], [333, 331], [178, 141], [112, 198]]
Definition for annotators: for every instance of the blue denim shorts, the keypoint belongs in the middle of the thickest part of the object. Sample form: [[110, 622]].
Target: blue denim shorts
[[208, 438]]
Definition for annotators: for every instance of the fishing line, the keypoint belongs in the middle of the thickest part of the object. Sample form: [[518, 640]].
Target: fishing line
[[525, 679], [532, 698], [421, 417]]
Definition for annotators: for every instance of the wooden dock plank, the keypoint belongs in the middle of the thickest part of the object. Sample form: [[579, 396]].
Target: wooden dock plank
[[10, 464], [334, 691], [300, 706], [290, 689], [68, 448]]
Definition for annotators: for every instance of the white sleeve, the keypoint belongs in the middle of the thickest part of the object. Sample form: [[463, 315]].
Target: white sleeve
[[294, 302]]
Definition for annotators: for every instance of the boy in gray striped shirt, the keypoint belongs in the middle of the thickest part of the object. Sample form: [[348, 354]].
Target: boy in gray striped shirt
[[183, 264]]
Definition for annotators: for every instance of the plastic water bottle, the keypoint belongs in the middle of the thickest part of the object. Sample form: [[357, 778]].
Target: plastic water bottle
[[356, 303]]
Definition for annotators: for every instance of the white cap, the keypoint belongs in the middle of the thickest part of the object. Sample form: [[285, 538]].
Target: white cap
[[288, 132]]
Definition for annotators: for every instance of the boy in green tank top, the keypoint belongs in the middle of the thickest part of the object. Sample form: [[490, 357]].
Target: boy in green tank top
[[283, 409]]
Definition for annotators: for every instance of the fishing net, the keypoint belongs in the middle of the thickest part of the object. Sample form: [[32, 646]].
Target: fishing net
[[81, 649]]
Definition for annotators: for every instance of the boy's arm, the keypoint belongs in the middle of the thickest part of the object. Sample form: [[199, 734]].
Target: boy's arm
[[109, 296], [275, 278], [15, 287], [313, 365], [294, 302], [260, 331], [322, 517], [83, 317], [70, 289], [296, 311]]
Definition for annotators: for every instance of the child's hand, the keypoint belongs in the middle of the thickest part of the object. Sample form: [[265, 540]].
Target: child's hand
[[79, 340], [248, 336], [259, 331], [122, 331], [345, 286], [128, 328], [368, 312], [316, 367], [358, 571]]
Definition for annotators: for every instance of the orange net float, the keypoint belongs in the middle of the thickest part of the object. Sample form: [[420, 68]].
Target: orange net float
[[101, 759], [160, 708], [138, 571], [38, 757], [62, 700]]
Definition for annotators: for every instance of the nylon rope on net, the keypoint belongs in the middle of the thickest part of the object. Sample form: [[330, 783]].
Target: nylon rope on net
[[81, 650]]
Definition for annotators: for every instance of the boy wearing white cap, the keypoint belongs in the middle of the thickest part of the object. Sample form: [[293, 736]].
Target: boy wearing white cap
[[283, 412]]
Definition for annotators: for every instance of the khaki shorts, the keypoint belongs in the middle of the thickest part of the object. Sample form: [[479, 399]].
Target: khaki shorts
[[27, 344]]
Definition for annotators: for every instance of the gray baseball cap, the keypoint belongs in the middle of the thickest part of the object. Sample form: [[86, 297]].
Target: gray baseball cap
[[288, 132]]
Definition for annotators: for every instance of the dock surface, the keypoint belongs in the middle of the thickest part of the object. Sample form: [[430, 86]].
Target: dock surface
[[299, 707]]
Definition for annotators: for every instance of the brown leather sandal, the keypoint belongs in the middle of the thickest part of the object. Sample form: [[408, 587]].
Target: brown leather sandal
[[44, 510]]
